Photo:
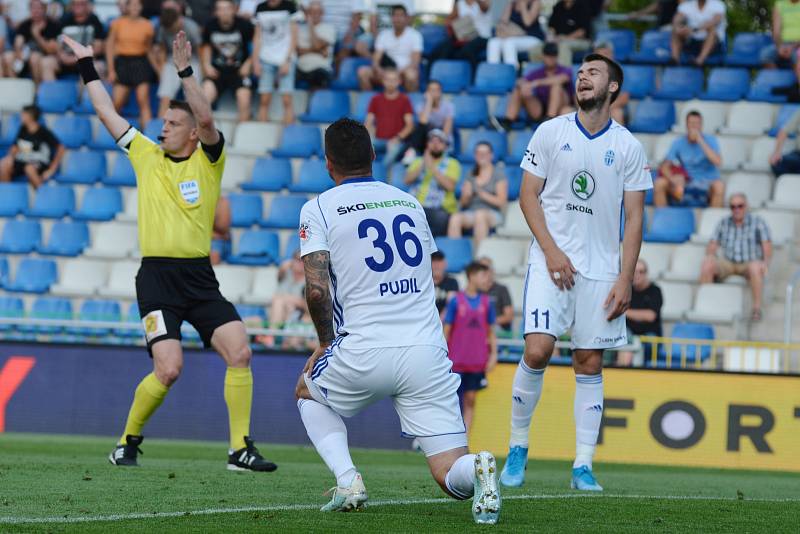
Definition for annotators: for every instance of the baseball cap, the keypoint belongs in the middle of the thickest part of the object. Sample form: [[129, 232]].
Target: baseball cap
[[550, 49], [437, 132]]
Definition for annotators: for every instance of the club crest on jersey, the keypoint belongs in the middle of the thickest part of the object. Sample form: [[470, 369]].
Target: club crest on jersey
[[305, 232], [583, 185], [608, 159], [190, 191]]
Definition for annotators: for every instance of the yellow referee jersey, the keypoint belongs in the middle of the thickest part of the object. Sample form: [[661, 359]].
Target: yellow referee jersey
[[177, 200]]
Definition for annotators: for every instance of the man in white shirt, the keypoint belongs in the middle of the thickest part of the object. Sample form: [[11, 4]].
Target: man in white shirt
[[400, 48], [699, 27], [315, 40], [593, 167]]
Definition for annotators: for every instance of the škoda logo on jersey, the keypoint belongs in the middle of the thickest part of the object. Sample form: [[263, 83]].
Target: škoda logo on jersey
[[583, 185]]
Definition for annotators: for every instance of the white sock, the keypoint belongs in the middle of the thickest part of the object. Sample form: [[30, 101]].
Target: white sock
[[327, 432], [460, 480], [588, 414], [524, 397]]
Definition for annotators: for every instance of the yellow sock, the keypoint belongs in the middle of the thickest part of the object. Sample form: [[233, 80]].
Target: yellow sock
[[149, 395], [239, 398]]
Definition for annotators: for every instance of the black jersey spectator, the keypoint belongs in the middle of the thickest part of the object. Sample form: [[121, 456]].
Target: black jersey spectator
[[644, 315], [35, 46], [81, 24], [664, 11], [36, 152], [444, 285], [501, 297], [570, 26]]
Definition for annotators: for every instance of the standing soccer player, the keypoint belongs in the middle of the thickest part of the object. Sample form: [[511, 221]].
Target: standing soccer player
[[370, 244], [178, 187], [592, 167]]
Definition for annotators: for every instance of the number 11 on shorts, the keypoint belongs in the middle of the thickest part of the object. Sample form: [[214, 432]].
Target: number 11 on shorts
[[545, 316]]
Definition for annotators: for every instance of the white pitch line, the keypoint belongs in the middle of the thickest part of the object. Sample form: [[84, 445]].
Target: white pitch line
[[372, 504]]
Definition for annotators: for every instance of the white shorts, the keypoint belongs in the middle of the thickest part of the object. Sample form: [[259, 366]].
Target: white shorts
[[418, 379], [549, 310]]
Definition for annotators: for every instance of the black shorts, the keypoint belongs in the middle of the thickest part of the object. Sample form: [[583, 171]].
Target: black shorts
[[230, 79], [19, 168], [472, 382], [133, 71], [173, 290]]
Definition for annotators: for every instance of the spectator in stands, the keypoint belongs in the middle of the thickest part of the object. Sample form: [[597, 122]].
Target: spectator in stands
[[544, 92], [699, 28], [225, 56], [201, 11], [36, 152], [644, 314], [432, 179], [746, 251], [171, 21], [484, 195], [390, 117], [785, 35], [471, 342], [15, 11], [35, 46], [445, 286], [380, 18], [664, 11], [289, 303], [606, 48], [80, 23], [692, 162], [221, 238], [399, 48], [788, 163], [433, 112], [129, 64], [517, 30], [345, 17], [315, 40], [274, 48], [791, 92], [501, 298], [470, 27], [570, 26]]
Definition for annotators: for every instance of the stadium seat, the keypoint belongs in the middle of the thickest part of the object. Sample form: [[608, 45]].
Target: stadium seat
[[670, 225], [4, 271], [284, 212], [640, 80], [494, 79], [112, 241], [768, 79], [270, 174], [237, 170], [514, 224], [11, 308], [518, 147], [508, 255], [359, 112], [714, 115], [454, 75], [680, 83], [514, 177], [717, 303], [677, 300], [458, 252], [653, 116], [433, 35], [726, 84], [21, 236], [785, 112], [83, 167], [347, 77], [688, 353], [153, 128], [130, 202], [379, 171], [81, 277], [746, 49], [234, 281], [57, 96], [122, 173], [787, 193], [256, 247], [623, 41], [291, 244], [709, 219], [52, 308], [13, 199], [494, 138], [313, 177], [132, 324], [299, 141], [470, 111], [246, 210], [102, 139], [499, 112], [733, 151], [107, 311], [685, 263], [84, 104], [10, 128], [121, 281], [99, 204], [72, 130], [756, 186], [657, 256], [781, 225], [33, 275], [327, 106], [265, 283], [255, 138], [17, 93], [748, 118], [516, 287], [653, 48], [66, 239], [397, 177]]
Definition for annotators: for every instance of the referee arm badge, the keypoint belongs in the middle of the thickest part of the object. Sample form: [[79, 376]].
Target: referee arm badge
[[154, 325]]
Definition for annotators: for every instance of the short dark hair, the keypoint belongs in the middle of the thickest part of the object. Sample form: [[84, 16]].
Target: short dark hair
[[33, 110], [437, 256], [399, 6], [348, 147], [181, 105], [694, 113], [474, 268], [614, 71]]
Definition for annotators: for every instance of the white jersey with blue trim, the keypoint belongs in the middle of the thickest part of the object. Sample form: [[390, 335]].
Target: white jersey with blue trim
[[380, 248], [585, 179]]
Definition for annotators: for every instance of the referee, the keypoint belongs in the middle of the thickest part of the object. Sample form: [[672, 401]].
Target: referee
[[178, 187]]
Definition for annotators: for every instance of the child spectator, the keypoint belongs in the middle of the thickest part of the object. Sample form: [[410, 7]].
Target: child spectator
[[274, 48], [390, 117], [36, 153], [471, 342]]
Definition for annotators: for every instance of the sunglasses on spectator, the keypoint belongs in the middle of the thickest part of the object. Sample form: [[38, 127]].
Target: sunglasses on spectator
[[737, 206]]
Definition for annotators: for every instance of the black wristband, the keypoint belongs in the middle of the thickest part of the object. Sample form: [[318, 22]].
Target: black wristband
[[87, 70], [185, 73]]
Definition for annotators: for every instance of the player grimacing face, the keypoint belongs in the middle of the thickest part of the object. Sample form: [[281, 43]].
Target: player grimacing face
[[593, 88]]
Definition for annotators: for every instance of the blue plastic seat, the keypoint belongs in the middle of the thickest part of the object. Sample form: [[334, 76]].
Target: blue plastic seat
[[433, 35], [653, 116], [73, 131], [269, 174], [727, 84], [397, 174], [53, 201], [247, 311], [496, 139], [359, 112], [121, 173], [514, 177], [291, 246], [654, 47], [680, 83], [57, 96], [766, 80], [494, 79], [3, 272], [623, 41], [34, 275], [347, 77], [746, 49], [518, 148], [671, 225], [246, 210], [53, 308], [470, 111], [454, 75], [13, 199], [312, 178], [102, 140], [284, 212], [257, 247], [693, 352], [11, 308], [84, 167], [132, 321], [499, 112], [327, 106], [21, 236], [640, 80], [84, 104], [784, 114], [299, 141], [458, 252], [67, 238], [99, 204], [153, 129], [10, 129], [99, 311]]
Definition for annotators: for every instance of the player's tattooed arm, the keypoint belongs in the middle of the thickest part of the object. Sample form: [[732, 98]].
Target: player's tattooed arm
[[318, 294]]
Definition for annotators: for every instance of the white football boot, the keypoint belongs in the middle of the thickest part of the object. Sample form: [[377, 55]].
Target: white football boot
[[347, 499], [486, 501]]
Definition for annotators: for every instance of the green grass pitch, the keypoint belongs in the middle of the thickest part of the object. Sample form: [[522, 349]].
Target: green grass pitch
[[65, 484]]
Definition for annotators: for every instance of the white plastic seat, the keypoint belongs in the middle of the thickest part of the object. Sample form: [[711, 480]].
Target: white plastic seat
[[17, 93], [265, 283], [514, 224], [112, 240], [749, 118], [677, 300], [781, 225], [686, 262], [121, 281], [255, 138], [756, 186], [234, 281], [516, 287], [662, 147], [760, 151], [507, 255], [657, 256], [717, 303], [733, 151], [130, 200], [714, 114], [80, 278], [237, 171], [787, 193], [709, 218], [648, 143]]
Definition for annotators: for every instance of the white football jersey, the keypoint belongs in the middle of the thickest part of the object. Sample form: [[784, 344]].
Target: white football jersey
[[380, 264], [585, 177]]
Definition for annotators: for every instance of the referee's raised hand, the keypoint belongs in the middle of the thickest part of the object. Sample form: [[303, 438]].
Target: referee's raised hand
[[78, 49], [181, 51]]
